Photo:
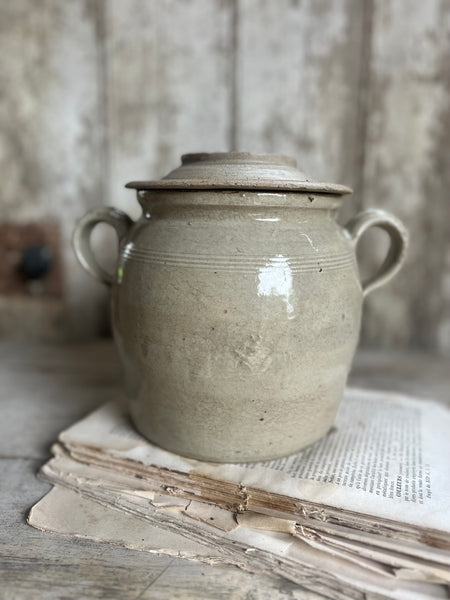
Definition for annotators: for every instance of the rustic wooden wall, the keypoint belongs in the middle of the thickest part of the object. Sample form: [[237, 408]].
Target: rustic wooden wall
[[98, 92], [52, 149]]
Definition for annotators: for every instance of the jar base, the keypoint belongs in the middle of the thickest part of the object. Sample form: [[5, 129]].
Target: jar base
[[230, 458]]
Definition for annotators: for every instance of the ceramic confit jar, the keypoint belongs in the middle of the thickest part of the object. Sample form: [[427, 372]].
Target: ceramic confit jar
[[236, 304]]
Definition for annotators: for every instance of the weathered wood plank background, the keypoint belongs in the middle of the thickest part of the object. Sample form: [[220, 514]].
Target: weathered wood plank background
[[97, 92]]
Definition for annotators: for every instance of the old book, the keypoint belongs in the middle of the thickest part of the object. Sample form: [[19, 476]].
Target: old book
[[382, 468], [200, 531], [364, 510]]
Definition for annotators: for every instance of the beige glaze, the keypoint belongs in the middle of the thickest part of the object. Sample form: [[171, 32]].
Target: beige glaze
[[237, 312]]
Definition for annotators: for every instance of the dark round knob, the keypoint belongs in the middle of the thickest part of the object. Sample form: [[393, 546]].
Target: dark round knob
[[36, 261]]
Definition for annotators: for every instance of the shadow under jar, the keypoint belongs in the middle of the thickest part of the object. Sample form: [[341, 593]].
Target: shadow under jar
[[236, 304]]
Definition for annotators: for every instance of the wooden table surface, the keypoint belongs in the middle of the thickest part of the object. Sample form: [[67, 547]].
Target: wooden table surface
[[44, 389]]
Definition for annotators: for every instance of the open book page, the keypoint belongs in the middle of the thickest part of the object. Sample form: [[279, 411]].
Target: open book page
[[386, 457]]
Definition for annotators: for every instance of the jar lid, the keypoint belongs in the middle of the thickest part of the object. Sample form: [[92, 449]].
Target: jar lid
[[238, 171]]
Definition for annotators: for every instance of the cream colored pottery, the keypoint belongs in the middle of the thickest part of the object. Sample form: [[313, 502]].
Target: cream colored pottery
[[236, 304]]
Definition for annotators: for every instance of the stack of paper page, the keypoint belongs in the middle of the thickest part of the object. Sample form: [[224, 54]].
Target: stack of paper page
[[365, 511]]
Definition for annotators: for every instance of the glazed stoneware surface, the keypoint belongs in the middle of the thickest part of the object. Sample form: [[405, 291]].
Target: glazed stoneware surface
[[237, 311]]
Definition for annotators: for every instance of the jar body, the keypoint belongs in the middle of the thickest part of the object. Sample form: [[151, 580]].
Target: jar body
[[236, 315]]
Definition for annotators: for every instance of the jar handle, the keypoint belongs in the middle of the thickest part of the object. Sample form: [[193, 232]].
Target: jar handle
[[397, 250], [81, 239]]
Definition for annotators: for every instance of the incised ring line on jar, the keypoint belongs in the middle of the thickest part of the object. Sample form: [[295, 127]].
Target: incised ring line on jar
[[236, 304]]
